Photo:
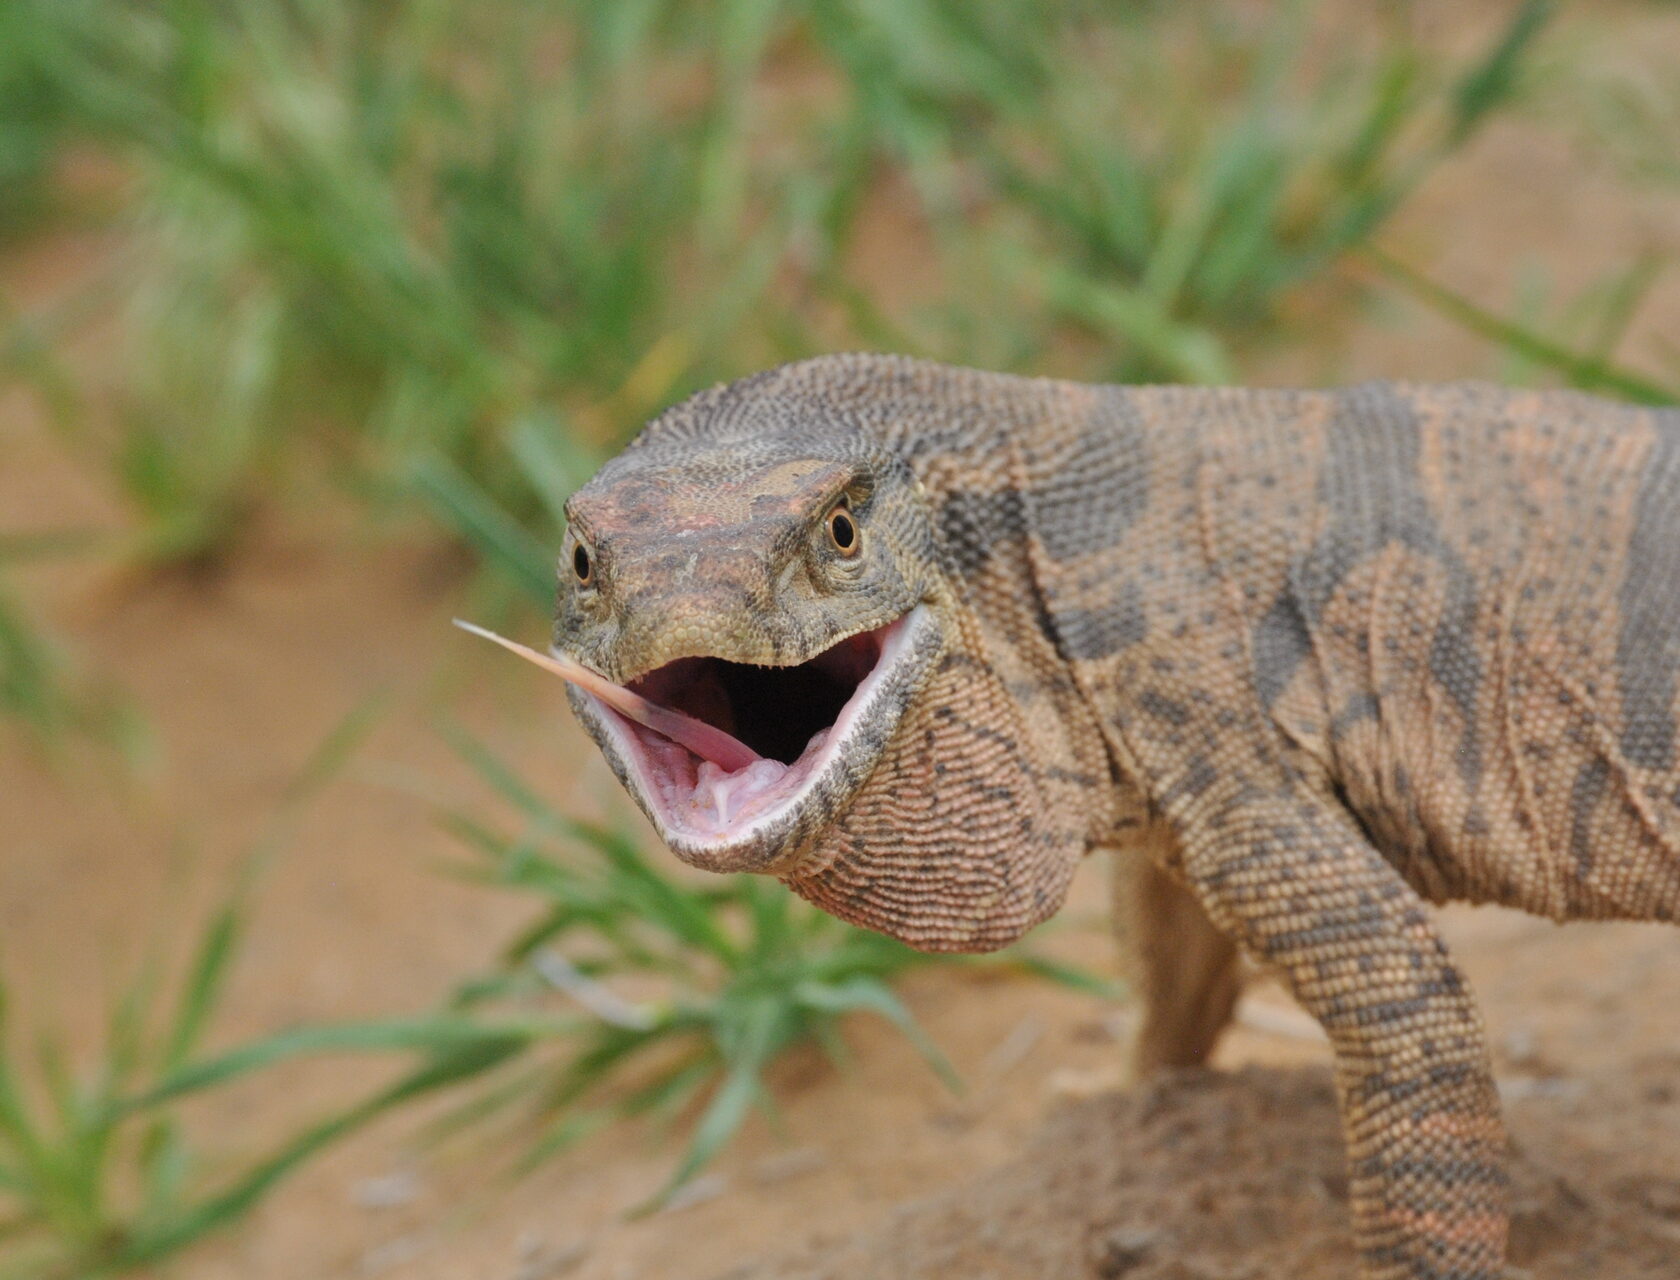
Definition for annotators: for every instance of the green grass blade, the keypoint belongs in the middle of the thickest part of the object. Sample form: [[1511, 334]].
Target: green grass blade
[[659, 901], [204, 983], [482, 525], [1625, 294], [437, 1034], [208, 973], [1182, 351], [1584, 371], [17, 1129], [1492, 80], [452, 1065], [551, 459], [729, 1106], [869, 995], [334, 753]]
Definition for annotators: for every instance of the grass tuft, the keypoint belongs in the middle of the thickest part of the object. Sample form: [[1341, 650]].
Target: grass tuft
[[423, 238], [93, 1182], [685, 994], [1588, 368]]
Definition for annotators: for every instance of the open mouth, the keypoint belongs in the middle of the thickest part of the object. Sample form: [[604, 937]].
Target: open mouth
[[798, 724]]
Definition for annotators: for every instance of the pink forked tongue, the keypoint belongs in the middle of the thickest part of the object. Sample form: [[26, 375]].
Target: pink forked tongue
[[704, 740]]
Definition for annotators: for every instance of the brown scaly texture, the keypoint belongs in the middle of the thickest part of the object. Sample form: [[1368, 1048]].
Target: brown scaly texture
[[1305, 659]]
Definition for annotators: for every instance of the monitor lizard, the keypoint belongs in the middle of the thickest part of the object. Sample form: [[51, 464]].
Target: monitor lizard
[[1306, 660]]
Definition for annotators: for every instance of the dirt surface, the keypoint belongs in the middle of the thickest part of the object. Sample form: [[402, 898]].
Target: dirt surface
[[1240, 1176], [880, 1171]]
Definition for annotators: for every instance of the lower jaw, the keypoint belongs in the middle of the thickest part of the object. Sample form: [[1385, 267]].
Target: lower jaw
[[772, 835], [768, 842], [715, 808]]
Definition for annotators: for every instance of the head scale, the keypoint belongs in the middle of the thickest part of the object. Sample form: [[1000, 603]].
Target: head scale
[[763, 557]]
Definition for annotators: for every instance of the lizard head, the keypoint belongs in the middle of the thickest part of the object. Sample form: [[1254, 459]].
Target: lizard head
[[761, 560]]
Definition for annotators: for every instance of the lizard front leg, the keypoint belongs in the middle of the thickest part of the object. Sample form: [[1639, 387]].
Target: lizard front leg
[[1295, 881], [1181, 969]]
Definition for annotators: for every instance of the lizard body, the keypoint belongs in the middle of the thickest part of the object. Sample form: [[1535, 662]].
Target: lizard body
[[1306, 660]]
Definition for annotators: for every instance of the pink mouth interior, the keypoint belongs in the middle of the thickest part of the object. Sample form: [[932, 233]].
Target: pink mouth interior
[[789, 718]]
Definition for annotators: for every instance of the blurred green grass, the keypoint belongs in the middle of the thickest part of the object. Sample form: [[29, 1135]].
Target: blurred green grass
[[97, 1175], [448, 255], [631, 994], [495, 237]]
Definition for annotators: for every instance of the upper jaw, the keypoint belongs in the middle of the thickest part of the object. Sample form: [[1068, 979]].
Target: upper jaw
[[763, 818]]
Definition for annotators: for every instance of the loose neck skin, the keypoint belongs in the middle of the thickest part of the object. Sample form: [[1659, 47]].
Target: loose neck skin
[[1035, 487]]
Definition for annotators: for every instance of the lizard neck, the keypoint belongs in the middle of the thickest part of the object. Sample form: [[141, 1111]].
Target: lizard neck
[[993, 454]]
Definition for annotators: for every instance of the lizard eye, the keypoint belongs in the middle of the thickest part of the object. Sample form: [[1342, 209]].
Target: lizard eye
[[583, 565], [843, 531]]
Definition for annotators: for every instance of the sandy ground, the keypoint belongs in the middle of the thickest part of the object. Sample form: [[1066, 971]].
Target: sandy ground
[[1212, 1176], [1039, 1169]]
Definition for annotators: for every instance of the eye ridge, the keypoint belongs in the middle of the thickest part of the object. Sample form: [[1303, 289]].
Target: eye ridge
[[843, 530]]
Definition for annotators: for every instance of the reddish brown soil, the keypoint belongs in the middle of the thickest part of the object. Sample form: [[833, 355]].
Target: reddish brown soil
[[1231, 1175], [1227, 1176]]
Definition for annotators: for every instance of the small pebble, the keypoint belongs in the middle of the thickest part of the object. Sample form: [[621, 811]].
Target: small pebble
[[1069, 1082], [391, 1254], [709, 1187], [391, 1191], [1287, 1021], [537, 1261], [789, 1164], [1097, 1031], [1517, 1088], [1522, 1047], [1121, 1025], [951, 1120], [1123, 1251], [1015, 1046]]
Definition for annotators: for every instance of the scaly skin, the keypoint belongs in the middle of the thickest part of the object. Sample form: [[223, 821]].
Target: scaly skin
[[1307, 659]]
